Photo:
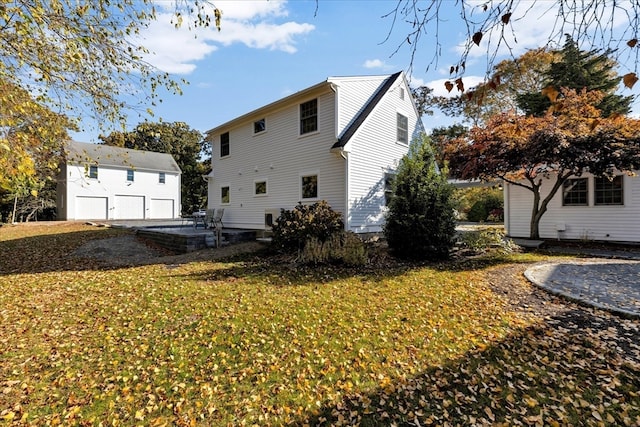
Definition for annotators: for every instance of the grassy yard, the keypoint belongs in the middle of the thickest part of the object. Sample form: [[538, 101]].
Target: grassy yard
[[253, 340]]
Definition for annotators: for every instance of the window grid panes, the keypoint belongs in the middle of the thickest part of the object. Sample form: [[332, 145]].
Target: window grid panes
[[93, 172], [575, 192], [403, 129], [310, 187], [309, 116], [224, 195], [161, 178], [130, 175], [224, 144], [608, 192], [260, 188]]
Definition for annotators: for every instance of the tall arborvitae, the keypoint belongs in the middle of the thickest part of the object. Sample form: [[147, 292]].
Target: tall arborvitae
[[579, 69]]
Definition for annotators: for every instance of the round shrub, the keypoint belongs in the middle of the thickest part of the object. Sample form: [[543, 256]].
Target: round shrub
[[295, 227]]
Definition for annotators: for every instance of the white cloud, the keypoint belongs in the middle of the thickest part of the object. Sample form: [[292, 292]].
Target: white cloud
[[374, 63], [255, 24]]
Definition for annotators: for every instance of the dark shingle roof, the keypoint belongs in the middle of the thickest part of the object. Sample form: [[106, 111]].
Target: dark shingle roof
[[364, 113], [106, 155]]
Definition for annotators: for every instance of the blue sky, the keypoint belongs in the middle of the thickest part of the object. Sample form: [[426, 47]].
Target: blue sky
[[269, 49]]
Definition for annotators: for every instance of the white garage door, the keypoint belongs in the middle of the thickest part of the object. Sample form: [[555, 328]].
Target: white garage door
[[91, 207], [129, 207], [161, 208]]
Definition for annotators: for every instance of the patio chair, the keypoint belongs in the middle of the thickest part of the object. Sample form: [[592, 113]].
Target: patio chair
[[216, 219], [208, 218]]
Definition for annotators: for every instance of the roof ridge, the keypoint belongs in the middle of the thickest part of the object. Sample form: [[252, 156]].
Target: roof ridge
[[368, 108]]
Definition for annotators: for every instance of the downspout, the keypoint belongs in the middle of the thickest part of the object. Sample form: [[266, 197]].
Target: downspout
[[344, 154]]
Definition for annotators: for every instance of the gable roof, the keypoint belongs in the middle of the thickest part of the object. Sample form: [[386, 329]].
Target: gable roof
[[325, 85], [368, 108], [106, 155]]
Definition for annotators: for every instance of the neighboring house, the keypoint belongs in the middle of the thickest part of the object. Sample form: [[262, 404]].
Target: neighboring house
[[101, 182], [586, 208], [339, 141]]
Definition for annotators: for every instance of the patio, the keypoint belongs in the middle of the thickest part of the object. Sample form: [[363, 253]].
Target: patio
[[181, 236]]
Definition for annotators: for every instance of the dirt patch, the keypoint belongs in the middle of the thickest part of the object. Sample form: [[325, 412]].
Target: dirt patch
[[131, 250]]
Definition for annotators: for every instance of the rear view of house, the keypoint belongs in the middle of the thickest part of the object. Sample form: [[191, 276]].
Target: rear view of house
[[339, 141], [101, 182]]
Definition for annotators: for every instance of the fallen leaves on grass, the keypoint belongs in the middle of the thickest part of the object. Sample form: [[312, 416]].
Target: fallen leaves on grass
[[245, 342]]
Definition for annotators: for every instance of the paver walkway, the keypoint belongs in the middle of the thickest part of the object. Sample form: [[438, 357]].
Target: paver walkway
[[610, 284]]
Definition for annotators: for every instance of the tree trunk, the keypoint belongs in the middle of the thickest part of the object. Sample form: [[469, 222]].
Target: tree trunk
[[534, 225], [15, 206]]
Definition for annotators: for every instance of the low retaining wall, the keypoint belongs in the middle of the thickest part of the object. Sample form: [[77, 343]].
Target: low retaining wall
[[189, 242]]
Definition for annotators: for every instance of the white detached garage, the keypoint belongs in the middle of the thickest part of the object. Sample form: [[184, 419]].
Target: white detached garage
[[100, 182]]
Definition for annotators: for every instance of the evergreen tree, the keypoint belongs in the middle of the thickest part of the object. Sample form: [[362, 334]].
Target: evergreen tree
[[420, 222], [578, 69]]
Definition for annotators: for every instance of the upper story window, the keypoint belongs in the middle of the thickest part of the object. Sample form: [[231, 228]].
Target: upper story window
[[162, 178], [402, 93], [403, 128], [259, 126], [224, 144], [93, 171], [608, 192], [575, 192], [309, 116], [130, 175]]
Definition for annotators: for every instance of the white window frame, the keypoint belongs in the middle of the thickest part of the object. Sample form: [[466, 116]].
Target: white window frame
[[162, 178], [399, 129], [228, 187], [300, 118], [228, 145], [92, 169], [256, 124], [132, 177], [305, 175], [266, 187]]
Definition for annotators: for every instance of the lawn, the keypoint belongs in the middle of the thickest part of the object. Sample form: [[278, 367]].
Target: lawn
[[254, 340]]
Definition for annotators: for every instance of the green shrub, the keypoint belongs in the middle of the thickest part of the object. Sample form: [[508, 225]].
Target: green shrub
[[487, 238], [295, 227], [420, 223], [344, 247], [478, 212]]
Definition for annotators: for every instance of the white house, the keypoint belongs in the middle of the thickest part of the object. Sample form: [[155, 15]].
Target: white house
[[338, 141], [101, 182], [586, 208]]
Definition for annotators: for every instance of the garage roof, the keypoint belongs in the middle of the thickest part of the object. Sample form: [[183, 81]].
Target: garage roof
[[106, 155]]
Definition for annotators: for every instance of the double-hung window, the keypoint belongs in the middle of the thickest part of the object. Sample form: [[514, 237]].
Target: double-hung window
[[162, 178], [309, 116], [608, 191], [403, 128], [224, 144], [388, 187], [129, 175], [575, 192]]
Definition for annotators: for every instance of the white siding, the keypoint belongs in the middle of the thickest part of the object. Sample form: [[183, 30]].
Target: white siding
[[605, 223], [354, 94], [374, 150], [280, 156], [112, 181]]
